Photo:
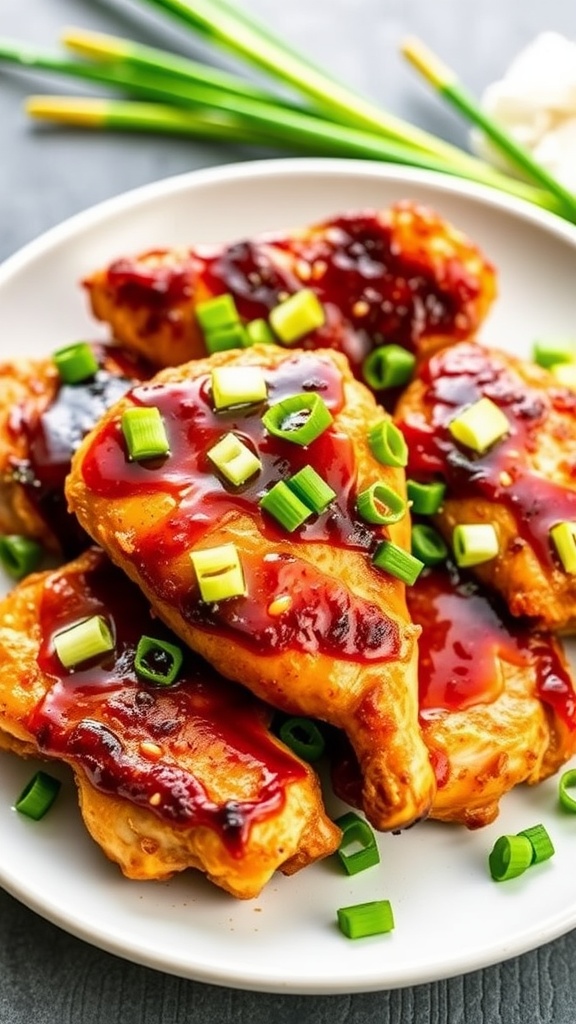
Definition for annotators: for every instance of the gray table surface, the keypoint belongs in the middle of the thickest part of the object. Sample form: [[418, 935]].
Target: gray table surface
[[47, 976]]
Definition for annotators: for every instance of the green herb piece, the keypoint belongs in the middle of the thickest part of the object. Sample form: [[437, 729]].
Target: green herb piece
[[144, 433], [388, 366], [285, 506], [219, 573], [158, 661], [425, 499], [358, 849], [234, 459], [397, 562], [510, 857], [299, 419], [86, 640], [474, 543], [542, 845], [237, 385], [303, 737], [380, 504], [75, 363], [363, 919], [563, 537], [480, 426], [19, 555], [38, 795], [309, 486], [387, 444], [427, 545]]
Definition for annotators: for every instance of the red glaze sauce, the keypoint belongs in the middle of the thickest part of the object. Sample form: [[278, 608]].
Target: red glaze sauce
[[324, 616], [464, 635], [372, 289], [460, 376], [98, 716], [52, 435]]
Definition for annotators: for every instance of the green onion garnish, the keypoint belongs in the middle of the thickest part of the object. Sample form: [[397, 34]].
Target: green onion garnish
[[238, 385], [144, 433], [362, 919], [309, 486], [542, 845], [551, 351], [567, 782], [232, 336], [219, 573], [563, 537], [510, 857], [300, 418], [474, 543], [234, 459], [480, 426], [425, 499], [216, 313], [394, 560], [428, 545], [388, 366], [303, 737], [258, 333], [157, 661], [75, 363], [380, 504], [299, 314], [38, 796], [85, 640], [285, 506], [387, 444], [356, 833], [19, 555]]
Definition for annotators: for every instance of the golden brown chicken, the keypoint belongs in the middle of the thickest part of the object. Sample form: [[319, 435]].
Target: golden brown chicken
[[295, 608], [497, 701], [169, 777], [524, 483], [402, 275], [42, 421]]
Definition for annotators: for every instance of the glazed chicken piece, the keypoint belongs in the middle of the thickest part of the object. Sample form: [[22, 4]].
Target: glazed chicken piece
[[402, 275], [308, 623], [524, 483], [42, 421], [169, 777], [497, 701]]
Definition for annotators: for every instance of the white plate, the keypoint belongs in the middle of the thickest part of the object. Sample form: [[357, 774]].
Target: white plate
[[450, 917]]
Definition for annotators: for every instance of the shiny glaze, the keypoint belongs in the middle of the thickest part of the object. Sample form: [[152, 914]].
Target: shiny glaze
[[99, 715], [374, 287], [52, 432], [458, 377], [465, 635], [325, 616]]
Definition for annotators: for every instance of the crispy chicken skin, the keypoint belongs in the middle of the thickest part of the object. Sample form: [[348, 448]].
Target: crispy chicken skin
[[320, 631], [41, 423], [168, 777], [497, 701], [402, 275], [524, 484]]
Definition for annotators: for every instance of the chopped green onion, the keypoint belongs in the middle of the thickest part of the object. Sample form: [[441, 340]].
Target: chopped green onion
[[258, 333], [567, 782], [428, 545], [380, 504], [300, 418], [237, 385], [19, 555], [474, 543], [387, 444], [38, 796], [234, 459], [309, 486], [356, 832], [542, 845], [564, 539], [303, 737], [425, 499], [480, 425], [87, 639], [549, 352], [216, 313], [75, 363], [362, 919], [144, 433], [285, 506], [157, 660], [225, 338], [219, 572], [388, 366], [565, 374], [510, 856], [299, 314], [397, 562]]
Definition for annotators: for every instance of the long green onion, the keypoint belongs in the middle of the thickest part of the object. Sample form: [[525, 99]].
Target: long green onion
[[38, 795]]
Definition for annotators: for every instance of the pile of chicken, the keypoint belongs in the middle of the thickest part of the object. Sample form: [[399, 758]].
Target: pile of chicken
[[443, 693]]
